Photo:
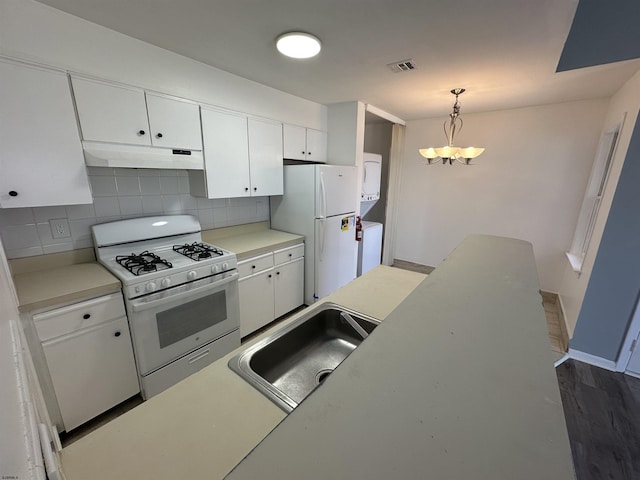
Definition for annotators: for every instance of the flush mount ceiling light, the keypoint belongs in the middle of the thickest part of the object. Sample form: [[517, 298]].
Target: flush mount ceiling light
[[298, 45], [449, 153]]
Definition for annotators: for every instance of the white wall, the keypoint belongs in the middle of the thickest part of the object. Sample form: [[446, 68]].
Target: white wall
[[35, 32], [574, 286], [528, 184]]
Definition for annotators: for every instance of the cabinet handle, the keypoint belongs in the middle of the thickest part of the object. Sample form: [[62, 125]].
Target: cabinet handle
[[303, 152], [291, 254], [253, 266], [13, 193], [117, 334], [277, 273], [255, 189], [86, 316], [159, 135], [270, 275], [141, 132], [308, 153], [246, 189]]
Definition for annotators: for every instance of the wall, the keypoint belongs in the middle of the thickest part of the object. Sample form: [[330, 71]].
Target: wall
[[121, 193], [528, 184], [35, 32], [377, 139], [574, 286]]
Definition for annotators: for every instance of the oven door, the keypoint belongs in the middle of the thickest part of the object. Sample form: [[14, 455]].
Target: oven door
[[171, 323]]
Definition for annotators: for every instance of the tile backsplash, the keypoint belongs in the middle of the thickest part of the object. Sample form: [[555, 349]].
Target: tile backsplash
[[119, 193]]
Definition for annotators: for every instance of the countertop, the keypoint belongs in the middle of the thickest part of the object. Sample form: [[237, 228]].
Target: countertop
[[458, 382], [63, 284], [73, 276], [203, 426], [250, 240]]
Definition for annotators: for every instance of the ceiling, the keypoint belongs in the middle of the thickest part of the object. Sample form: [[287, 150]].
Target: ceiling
[[504, 52]]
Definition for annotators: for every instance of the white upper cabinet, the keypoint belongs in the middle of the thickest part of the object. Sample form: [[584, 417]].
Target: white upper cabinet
[[41, 162], [316, 145], [265, 157], [226, 153], [242, 157], [110, 113], [174, 123], [126, 115], [304, 144]]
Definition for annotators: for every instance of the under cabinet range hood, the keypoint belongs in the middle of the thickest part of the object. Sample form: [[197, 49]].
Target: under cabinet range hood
[[98, 154]]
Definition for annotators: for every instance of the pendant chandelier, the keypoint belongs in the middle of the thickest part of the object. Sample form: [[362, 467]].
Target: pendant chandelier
[[449, 153]]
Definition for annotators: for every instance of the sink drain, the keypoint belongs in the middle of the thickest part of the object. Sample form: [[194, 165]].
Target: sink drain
[[322, 375]]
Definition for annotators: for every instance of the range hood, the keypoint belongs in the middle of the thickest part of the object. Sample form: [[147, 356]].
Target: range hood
[[132, 156]]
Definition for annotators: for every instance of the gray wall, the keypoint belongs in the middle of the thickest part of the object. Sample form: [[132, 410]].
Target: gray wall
[[613, 289], [602, 32]]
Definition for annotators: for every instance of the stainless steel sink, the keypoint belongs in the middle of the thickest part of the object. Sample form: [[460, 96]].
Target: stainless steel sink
[[288, 365]]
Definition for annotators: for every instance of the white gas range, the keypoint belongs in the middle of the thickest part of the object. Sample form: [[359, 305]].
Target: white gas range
[[181, 295]]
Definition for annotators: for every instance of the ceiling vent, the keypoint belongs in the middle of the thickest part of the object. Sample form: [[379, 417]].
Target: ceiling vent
[[402, 66]]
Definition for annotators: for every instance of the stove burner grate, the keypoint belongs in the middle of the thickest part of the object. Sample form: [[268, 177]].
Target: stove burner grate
[[198, 251], [145, 262]]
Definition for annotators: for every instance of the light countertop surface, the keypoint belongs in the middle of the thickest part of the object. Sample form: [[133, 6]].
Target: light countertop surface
[[63, 284], [51, 280], [457, 383], [206, 424], [251, 240]]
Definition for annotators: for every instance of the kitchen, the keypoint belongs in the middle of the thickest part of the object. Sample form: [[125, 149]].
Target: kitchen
[[113, 56]]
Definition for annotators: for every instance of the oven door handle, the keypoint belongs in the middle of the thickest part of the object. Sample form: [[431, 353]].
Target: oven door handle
[[145, 303]]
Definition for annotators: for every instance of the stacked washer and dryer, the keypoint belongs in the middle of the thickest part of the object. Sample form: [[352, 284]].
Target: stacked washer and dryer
[[370, 248]]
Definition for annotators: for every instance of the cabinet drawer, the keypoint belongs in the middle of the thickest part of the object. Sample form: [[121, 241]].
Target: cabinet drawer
[[288, 254], [255, 265], [79, 315]]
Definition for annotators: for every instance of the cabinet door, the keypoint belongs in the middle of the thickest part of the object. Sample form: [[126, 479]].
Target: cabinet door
[[256, 301], [226, 154], [265, 158], [41, 161], [289, 286], [173, 123], [295, 143], [111, 113], [316, 145], [92, 370]]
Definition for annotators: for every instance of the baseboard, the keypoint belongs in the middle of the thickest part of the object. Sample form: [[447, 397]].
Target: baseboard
[[592, 360]]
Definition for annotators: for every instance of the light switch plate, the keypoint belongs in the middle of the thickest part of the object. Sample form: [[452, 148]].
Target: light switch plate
[[60, 228]]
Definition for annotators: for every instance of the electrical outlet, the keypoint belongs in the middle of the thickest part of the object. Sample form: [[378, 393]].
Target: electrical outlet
[[60, 228]]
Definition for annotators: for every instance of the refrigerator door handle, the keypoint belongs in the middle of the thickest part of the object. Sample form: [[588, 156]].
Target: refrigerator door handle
[[323, 197], [322, 239]]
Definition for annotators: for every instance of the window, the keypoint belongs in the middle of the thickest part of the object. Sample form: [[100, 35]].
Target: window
[[593, 197]]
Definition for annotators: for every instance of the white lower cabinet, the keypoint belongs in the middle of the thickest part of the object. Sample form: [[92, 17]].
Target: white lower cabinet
[[88, 352], [288, 286], [270, 286]]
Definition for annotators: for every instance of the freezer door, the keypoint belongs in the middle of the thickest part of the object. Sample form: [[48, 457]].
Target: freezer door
[[336, 253], [336, 190]]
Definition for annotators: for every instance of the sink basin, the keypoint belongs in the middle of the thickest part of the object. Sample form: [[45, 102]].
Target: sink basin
[[288, 365]]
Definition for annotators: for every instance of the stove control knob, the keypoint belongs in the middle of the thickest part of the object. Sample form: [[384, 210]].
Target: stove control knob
[[165, 282], [150, 287], [215, 269], [225, 266], [192, 275]]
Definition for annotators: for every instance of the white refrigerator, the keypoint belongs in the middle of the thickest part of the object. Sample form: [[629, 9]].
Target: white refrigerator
[[319, 202]]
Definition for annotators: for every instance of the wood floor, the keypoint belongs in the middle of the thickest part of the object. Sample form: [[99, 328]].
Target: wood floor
[[602, 411]]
